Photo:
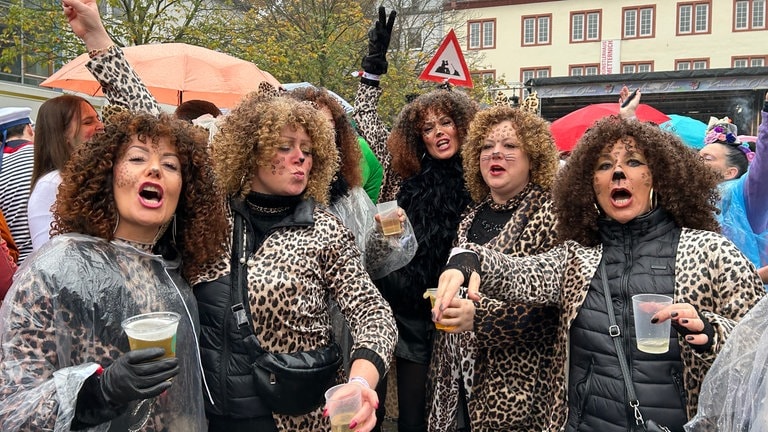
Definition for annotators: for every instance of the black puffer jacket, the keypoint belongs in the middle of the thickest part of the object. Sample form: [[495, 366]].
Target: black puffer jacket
[[640, 258]]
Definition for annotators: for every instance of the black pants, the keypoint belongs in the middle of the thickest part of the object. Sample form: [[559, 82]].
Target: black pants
[[411, 397]]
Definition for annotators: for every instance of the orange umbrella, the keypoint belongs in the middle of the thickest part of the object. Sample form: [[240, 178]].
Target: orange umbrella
[[567, 130], [174, 73]]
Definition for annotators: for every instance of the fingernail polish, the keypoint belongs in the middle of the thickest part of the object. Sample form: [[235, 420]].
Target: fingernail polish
[[654, 320], [353, 425], [433, 316], [684, 321], [674, 314], [325, 412], [690, 338], [376, 406]]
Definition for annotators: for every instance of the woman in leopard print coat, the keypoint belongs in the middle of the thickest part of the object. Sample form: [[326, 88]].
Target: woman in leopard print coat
[[510, 163], [634, 200]]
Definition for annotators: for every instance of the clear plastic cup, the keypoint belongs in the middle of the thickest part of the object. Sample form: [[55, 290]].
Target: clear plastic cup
[[342, 402], [390, 221], [154, 329], [431, 294], [651, 338]]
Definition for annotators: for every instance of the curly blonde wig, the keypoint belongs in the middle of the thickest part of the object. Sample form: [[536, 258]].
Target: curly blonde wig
[[686, 188], [85, 201], [405, 142], [250, 135], [534, 138], [346, 137]]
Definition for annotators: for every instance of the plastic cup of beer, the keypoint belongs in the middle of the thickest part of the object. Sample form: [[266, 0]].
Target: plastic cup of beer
[[342, 402], [431, 294], [651, 338], [154, 329], [390, 220]]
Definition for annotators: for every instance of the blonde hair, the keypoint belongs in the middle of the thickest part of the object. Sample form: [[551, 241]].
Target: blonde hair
[[250, 136]]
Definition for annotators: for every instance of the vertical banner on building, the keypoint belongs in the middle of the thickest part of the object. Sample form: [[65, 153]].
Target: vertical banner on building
[[610, 56]]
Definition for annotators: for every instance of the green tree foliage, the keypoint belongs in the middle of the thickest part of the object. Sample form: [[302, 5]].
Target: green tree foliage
[[319, 41]]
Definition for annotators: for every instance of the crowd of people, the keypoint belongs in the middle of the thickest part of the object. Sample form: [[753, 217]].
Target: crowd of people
[[259, 229]]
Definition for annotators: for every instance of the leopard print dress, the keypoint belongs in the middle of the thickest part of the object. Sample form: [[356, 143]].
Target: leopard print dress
[[62, 317], [711, 274]]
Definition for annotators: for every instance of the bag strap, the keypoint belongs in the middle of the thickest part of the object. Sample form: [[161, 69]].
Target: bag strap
[[615, 333], [238, 288]]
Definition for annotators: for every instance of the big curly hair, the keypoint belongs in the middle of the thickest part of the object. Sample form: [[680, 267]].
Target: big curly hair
[[346, 137], [534, 138], [250, 136], [405, 142], [684, 186], [85, 202]]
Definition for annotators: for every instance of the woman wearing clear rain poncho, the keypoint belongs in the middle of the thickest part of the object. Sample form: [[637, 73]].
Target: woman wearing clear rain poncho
[[734, 394], [132, 224]]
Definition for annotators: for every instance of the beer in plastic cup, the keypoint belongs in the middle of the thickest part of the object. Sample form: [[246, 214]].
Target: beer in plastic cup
[[342, 402], [154, 329], [431, 294], [390, 221], [651, 338]]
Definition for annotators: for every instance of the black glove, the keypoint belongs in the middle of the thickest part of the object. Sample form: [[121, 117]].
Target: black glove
[[136, 375], [465, 262], [708, 330], [378, 43]]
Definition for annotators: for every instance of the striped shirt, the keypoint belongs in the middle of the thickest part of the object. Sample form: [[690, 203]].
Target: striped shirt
[[15, 178]]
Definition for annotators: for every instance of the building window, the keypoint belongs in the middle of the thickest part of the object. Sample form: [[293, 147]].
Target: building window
[[482, 34], [639, 22], [483, 77], [585, 26], [584, 69], [413, 40], [751, 61], [691, 64], [537, 30], [693, 18], [636, 67], [749, 15]]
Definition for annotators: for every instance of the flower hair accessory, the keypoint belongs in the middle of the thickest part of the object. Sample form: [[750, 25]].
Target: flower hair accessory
[[722, 131]]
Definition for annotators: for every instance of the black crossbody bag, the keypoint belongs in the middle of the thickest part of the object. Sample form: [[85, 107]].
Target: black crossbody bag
[[288, 383], [640, 424]]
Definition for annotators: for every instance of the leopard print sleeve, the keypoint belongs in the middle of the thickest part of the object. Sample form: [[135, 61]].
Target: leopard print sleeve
[[723, 289], [120, 83], [534, 279], [370, 124]]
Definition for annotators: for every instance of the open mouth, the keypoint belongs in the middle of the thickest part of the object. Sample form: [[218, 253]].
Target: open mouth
[[443, 144], [150, 193], [620, 196], [496, 169]]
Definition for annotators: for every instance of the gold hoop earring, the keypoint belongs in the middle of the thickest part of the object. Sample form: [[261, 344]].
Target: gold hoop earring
[[653, 198], [117, 222]]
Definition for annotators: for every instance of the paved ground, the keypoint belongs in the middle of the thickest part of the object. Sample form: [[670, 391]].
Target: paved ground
[[389, 425]]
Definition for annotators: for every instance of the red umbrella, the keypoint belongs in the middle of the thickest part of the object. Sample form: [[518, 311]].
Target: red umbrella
[[567, 130], [174, 73]]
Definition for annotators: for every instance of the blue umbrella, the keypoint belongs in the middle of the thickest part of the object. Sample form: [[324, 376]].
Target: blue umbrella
[[348, 108], [690, 130]]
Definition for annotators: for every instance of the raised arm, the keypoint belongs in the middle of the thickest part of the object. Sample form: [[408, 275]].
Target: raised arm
[[374, 65], [755, 185], [119, 81]]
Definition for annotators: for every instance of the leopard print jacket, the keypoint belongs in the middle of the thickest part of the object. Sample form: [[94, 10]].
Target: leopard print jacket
[[503, 363], [711, 274]]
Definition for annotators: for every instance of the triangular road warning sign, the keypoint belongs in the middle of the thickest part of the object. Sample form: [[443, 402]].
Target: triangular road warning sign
[[448, 64]]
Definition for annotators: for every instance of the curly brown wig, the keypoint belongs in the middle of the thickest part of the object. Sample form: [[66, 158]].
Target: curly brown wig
[[346, 137], [405, 142], [684, 185], [250, 135], [535, 139], [85, 202]]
